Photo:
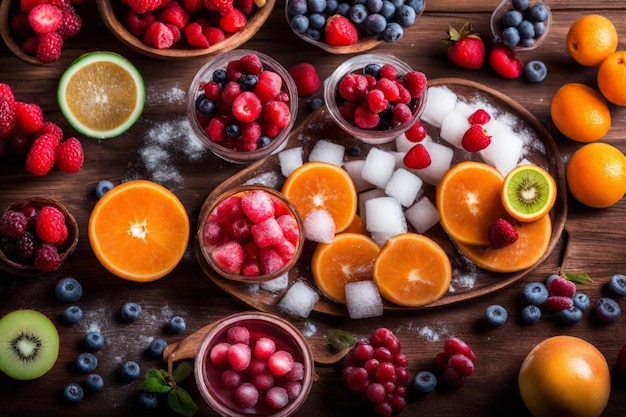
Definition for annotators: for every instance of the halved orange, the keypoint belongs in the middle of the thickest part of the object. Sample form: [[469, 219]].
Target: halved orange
[[139, 231], [527, 250], [468, 200], [412, 270], [528, 193], [348, 258], [357, 226], [320, 185]]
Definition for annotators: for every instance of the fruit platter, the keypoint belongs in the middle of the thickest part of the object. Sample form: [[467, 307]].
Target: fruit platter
[[97, 324]]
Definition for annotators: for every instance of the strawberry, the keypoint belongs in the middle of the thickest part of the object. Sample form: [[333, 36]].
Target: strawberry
[[340, 31], [305, 76], [479, 117], [49, 47], [71, 23], [416, 133], [69, 156], [45, 18], [502, 233], [7, 109], [475, 139], [504, 62], [417, 157], [465, 48]]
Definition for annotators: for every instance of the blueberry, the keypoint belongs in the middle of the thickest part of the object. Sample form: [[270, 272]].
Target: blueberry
[[177, 325], [538, 13], [315, 103], [607, 310], [354, 150], [131, 311], [520, 5], [248, 82], [295, 7], [617, 284], [540, 29], [397, 3], [571, 315], [393, 32], [264, 140], [531, 313], [581, 301], [388, 10], [375, 24], [526, 29], [68, 290], [317, 20], [73, 392], [535, 71], [94, 340], [536, 293], [94, 382], [102, 187], [299, 23], [405, 15], [232, 130], [496, 315], [72, 315], [316, 6], [205, 105], [331, 7], [526, 42], [130, 370], [86, 362], [425, 382], [148, 400], [374, 6], [219, 76], [156, 348], [510, 36], [372, 69], [417, 5], [357, 14], [512, 18]]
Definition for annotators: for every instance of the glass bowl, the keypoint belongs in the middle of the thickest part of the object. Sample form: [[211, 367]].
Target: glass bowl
[[286, 337], [274, 142], [333, 100], [258, 244], [497, 26]]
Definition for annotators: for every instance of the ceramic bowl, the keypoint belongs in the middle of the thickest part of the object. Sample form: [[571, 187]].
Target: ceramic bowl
[[497, 25], [10, 264], [286, 338], [112, 11], [7, 9]]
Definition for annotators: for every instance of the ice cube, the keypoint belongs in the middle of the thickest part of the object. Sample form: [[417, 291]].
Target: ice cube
[[290, 159], [363, 300], [327, 151], [378, 167], [464, 108], [299, 300], [354, 168], [277, 284], [439, 102], [403, 144], [505, 148], [422, 215], [319, 226], [366, 195], [441, 158], [404, 186], [453, 127], [381, 237], [384, 214]]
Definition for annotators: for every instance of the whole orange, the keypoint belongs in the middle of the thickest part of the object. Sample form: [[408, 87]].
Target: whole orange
[[580, 112], [590, 39], [612, 78], [565, 376], [596, 175]]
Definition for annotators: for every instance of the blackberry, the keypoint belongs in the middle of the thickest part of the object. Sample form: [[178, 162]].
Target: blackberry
[[47, 258], [205, 105], [13, 223], [247, 82]]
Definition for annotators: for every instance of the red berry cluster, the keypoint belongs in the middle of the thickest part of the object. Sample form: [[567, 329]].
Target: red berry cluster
[[35, 237], [165, 24], [476, 138], [256, 372], [456, 362], [378, 370], [41, 26], [25, 134]]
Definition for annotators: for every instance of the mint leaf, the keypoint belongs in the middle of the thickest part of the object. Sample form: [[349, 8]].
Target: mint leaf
[[579, 278], [340, 339], [182, 371], [155, 382], [181, 402]]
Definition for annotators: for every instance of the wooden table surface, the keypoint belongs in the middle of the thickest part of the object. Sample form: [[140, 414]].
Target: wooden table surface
[[596, 237]]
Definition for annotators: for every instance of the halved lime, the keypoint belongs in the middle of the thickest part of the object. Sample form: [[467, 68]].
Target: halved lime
[[528, 193], [101, 94]]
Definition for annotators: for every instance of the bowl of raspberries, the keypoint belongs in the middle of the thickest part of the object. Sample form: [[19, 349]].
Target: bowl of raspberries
[[242, 105], [375, 97], [36, 236], [177, 29], [521, 24], [250, 233]]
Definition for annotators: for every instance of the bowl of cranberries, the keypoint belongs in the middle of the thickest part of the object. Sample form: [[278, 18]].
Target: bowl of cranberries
[[254, 364], [375, 97], [250, 233], [242, 105], [36, 236]]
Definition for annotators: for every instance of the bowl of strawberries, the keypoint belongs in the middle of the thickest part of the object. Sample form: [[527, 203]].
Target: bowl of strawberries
[[179, 29]]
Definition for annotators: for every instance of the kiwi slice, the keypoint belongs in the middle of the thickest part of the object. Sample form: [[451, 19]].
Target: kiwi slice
[[29, 344], [528, 193]]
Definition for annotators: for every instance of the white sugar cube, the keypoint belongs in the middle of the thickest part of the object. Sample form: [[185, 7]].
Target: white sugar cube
[[367, 195], [404, 186], [378, 167], [354, 168], [290, 159], [381, 237], [441, 158], [439, 102], [385, 214], [505, 148], [326, 151], [299, 300], [453, 127], [363, 300], [422, 215], [319, 226], [277, 284], [464, 108]]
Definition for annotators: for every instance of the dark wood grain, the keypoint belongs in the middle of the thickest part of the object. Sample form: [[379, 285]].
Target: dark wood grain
[[595, 241]]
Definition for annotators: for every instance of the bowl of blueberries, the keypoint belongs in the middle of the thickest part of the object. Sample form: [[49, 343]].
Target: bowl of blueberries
[[521, 24]]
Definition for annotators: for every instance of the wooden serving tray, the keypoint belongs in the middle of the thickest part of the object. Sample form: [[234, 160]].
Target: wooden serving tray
[[320, 126]]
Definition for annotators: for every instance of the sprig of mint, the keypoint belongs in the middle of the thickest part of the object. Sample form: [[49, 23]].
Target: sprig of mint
[[340, 339], [161, 381], [580, 278]]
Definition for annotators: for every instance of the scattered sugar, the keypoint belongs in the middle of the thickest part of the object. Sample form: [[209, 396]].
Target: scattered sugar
[[155, 95], [464, 278], [269, 179], [432, 334]]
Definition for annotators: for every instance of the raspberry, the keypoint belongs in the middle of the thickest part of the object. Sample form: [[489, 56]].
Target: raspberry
[[195, 37], [45, 18], [71, 23], [28, 117], [174, 13], [13, 223], [137, 24], [47, 258], [475, 139], [52, 129], [415, 82], [233, 21], [353, 86], [7, 110], [231, 91], [389, 88], [143, 6], [555, 303], [221, 6], [416, 133], [276, 112], [69, 156], [193, 5], [214, 34], [561, 286], [251, 64], [49, 47], [364, 118], [158, 35], [29, 45], [268, 85], [50, 226], [229, 256], [376, 101], [502, 233], [479, 117], [417, 157], [40, 158], [402, 113], [247, 108], [305, 76]]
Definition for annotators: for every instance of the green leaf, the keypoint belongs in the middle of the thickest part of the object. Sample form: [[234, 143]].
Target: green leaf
[[155, 382], [182, 371], [579, 278], [340, 339], [181, 402]]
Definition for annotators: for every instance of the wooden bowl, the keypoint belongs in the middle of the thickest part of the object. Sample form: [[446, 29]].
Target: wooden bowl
[[15, 268], [110, 15], [7, 9]]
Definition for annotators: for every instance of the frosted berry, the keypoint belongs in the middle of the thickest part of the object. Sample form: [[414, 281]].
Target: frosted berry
[[607, 310], [617, 285], [13, 223], [496, 315], [536, 293], [561, 286]]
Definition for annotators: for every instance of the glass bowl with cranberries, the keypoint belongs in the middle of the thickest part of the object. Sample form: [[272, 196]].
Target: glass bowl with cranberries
[[521, 24], [250, 233], [37, 235], [254, 364], [375, 97], [242, 105]]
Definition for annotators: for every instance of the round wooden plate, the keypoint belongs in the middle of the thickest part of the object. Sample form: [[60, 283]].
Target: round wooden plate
[[320, 126]]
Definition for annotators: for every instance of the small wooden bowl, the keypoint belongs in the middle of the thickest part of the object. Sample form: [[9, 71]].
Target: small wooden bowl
[[15, 268], [109, 14], [7, 8]]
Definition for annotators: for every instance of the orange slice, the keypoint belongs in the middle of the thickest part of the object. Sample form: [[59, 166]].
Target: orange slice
[[528, 193], [527, 250], [468, 200], [320, 185], [348, 258], [139, 231], [412, 270]]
